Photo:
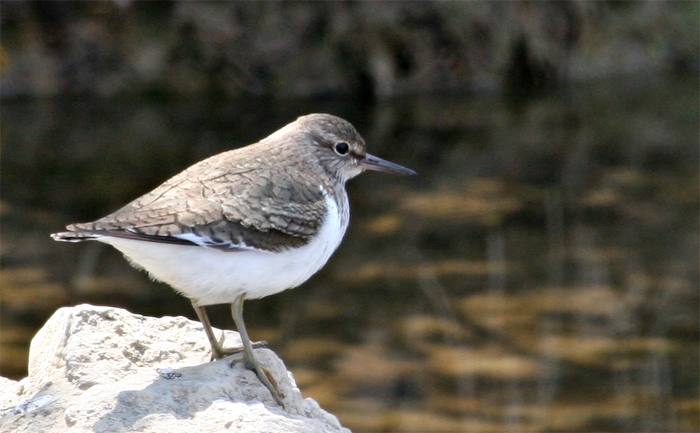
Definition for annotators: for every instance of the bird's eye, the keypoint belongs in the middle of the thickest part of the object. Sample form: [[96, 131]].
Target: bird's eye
[[341, 148]]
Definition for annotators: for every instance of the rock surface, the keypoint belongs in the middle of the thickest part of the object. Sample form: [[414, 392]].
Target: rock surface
[[103, 369]]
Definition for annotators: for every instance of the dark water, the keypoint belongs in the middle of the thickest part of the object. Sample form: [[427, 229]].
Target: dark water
[[540, 275]]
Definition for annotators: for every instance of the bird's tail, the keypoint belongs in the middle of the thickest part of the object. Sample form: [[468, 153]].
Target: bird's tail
[[74, 236]]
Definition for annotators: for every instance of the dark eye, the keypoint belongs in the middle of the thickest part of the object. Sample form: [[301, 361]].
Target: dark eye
[[341, 148]]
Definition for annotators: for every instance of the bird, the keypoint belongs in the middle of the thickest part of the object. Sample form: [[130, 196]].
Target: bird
[[246, 223]]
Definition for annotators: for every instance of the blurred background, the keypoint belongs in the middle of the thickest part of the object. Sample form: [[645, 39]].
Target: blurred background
[[541, 274]]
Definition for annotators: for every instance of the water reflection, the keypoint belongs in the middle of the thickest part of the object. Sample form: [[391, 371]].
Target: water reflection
[[540, 275]]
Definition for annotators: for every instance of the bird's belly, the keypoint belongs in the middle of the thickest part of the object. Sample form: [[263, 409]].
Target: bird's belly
[[211, 276]]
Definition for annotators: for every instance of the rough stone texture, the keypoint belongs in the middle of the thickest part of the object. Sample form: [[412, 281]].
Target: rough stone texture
[[95, 369]]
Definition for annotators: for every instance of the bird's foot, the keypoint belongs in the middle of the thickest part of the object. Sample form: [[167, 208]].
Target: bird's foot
[[266, 378], [218, 350]]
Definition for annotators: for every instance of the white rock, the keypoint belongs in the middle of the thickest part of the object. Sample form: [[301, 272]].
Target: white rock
[[101, 369]]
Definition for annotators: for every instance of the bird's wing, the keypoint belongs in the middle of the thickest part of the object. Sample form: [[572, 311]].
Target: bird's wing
[[261, 208]]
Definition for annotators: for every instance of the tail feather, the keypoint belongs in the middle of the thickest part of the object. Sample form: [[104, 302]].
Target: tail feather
[[74, 236]]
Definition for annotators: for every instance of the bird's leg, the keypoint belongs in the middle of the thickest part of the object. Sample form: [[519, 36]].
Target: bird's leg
[[217, 349], [250, 362]]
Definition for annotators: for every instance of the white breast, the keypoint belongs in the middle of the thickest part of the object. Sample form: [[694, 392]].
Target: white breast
[[210, 276]]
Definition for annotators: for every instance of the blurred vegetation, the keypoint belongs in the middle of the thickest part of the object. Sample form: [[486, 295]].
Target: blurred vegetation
[[367, 49], [541, 274]]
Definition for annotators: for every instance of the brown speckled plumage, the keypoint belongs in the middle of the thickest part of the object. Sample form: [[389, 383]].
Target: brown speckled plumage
[[237, 199], [280, 203]]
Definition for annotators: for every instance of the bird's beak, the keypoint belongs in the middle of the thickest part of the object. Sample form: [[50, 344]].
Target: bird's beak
[[371, 162]]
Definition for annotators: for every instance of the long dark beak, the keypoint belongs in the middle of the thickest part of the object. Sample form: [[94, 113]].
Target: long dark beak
[[371, 162]]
